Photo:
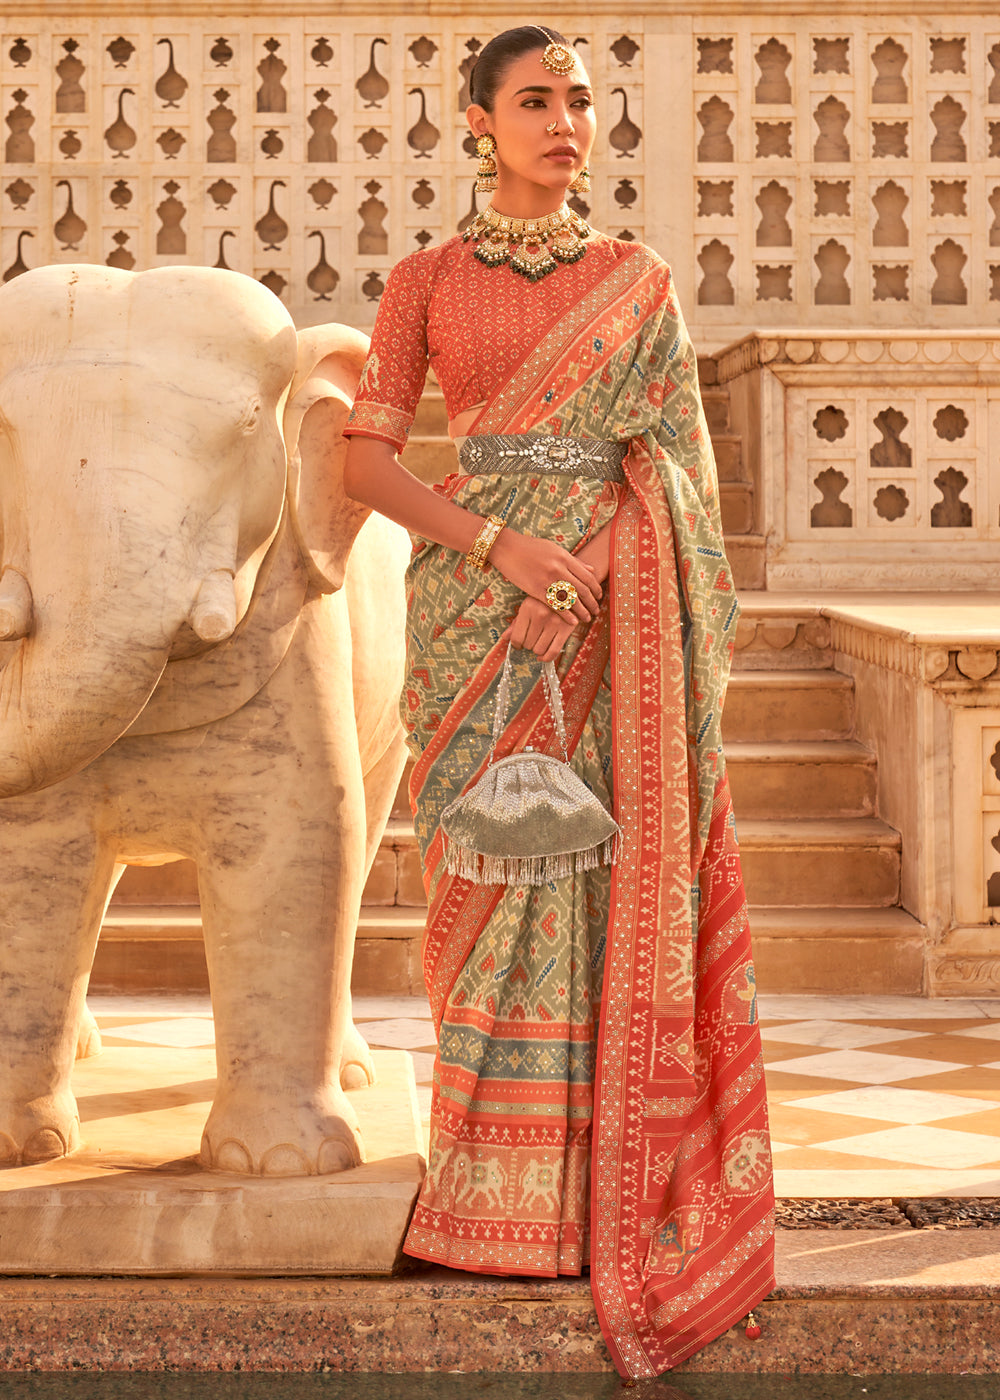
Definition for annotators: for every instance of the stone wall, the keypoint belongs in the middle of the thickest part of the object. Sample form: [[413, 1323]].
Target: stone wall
[[878, 455], [792, 168], [312, 153], [849, 172], [927, 686]]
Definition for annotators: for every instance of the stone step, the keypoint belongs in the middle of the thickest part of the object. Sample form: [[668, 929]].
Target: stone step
[[716, 401], [813, 862], [805, 862], [736, 506], [801, 950], [387, 952], [429, 457], [728, 448], [787, 705], [150, 948], [395, 877], [746, 554], [826, 778], [160, 948], [777, 724], [919, 1303], [816, 951]]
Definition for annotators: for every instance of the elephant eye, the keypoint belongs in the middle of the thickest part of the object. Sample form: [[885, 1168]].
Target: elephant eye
[[249, 417]]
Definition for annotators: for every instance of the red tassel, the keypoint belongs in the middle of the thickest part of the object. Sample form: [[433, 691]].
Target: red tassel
[[752, 1328]]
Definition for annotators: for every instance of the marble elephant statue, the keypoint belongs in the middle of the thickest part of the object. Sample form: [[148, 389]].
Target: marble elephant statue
[[190, 668]]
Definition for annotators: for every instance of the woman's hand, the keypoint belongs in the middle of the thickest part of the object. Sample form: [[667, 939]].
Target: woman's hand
[[537, 628], [597, 553], [533, 564]]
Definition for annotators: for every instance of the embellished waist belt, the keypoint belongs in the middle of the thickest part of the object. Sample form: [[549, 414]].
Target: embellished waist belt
[[498, 454]]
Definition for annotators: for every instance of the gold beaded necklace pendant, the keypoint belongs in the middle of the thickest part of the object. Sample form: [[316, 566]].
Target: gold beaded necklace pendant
[[493, 251], [532, 247], [567, 246], [532, 260]]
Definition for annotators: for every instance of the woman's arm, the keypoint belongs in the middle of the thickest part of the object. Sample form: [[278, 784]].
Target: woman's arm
[[597, 553], [374, 476]]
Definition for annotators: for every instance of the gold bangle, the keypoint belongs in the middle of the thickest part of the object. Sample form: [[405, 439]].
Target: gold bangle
[[479, 555]]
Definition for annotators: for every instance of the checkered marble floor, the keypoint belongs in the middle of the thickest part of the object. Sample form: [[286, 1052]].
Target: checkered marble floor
[[869, 1096]]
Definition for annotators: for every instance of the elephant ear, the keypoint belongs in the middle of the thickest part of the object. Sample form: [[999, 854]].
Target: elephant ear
[[324, 518]]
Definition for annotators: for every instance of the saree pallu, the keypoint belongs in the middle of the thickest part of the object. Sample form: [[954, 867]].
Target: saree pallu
[[598, 1038]]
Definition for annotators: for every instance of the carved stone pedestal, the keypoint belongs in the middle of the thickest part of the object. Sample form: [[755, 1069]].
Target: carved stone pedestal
[[133, 1199]]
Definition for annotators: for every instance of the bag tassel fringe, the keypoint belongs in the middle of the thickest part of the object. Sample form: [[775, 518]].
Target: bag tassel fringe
[[528, 870]]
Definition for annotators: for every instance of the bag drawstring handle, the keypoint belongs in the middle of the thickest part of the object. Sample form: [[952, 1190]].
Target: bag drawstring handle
[[553, 690]]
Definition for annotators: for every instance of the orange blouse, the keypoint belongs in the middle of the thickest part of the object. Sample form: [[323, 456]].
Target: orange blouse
[[473, 324]]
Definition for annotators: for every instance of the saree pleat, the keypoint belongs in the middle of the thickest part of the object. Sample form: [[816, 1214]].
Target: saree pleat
[[598, 1093]]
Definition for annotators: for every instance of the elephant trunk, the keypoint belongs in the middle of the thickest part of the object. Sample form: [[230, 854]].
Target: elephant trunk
[[73, 687], [99, 579]]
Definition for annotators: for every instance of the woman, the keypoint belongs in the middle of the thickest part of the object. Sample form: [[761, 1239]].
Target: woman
[[599, 1097]]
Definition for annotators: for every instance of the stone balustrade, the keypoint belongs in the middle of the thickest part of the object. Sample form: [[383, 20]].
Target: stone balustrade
[[927, 686], [876, 455]]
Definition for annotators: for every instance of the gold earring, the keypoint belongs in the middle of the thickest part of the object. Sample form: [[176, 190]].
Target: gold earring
[[486, 175], [581, 185]]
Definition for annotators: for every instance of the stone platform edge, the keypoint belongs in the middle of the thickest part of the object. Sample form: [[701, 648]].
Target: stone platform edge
[[132, 1200], [929, 1302]]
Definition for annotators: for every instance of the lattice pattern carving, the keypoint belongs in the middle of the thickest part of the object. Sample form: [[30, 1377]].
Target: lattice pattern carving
[[310, 157], [897, 464], [885, 147]]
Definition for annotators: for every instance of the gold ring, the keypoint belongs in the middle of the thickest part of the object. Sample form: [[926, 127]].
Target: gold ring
[[561, 595]]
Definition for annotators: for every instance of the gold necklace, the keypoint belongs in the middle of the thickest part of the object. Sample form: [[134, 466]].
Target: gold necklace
[[533, 247]]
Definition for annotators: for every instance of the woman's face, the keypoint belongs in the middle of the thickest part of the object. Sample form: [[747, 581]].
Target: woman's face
[[529, 100]]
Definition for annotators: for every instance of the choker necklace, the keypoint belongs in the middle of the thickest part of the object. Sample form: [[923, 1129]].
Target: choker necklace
[[533, 247]]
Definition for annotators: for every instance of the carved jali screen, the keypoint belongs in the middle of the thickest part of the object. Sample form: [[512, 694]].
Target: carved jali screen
[[310, 157], [801, 172], [849, 170]]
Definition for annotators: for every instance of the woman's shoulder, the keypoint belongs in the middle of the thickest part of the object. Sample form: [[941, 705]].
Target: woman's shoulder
[[417, 272], [423, 263], [621, 248], [414, 267]]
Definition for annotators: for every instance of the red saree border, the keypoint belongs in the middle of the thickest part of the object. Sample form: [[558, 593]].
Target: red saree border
[[648, 1108]]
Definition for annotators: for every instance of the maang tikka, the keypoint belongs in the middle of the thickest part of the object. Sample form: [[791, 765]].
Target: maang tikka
[[556, 57], [486, 175]]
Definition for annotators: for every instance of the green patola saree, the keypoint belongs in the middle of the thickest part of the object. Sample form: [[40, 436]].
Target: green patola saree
[[599, 1094]]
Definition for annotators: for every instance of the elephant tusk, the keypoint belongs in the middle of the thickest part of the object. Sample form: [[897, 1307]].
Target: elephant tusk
[[15, 606], [213, 616]]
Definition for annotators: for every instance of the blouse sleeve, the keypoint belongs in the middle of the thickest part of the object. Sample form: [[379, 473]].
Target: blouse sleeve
[[393, 376]]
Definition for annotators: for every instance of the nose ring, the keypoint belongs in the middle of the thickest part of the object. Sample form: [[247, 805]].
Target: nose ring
[[552, 128]]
